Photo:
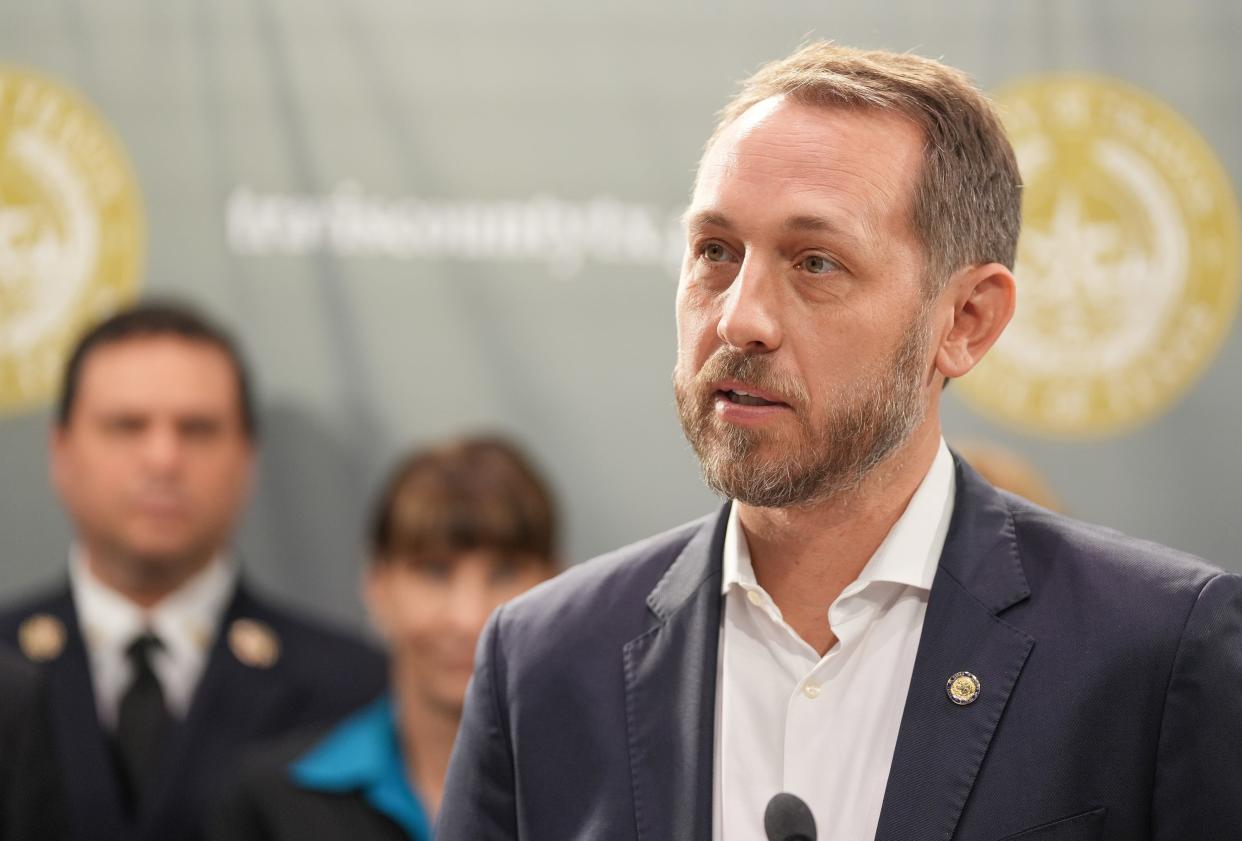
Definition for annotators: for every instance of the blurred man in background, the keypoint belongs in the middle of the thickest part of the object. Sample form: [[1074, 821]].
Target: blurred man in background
[[161, 665], [457, 530]]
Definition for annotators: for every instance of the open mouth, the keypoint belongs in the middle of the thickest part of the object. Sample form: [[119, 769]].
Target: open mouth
[[745, 398], [739, 393]]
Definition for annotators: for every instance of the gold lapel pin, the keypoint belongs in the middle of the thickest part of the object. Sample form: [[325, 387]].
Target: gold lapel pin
[[254, 643], [963, 688], [42, 637]]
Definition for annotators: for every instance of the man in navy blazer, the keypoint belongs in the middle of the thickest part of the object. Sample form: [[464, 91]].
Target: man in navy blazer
[[867, 623]]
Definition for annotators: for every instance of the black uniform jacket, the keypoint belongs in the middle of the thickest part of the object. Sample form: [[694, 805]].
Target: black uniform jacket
[[269, 804], [31, 798], [314, 675]]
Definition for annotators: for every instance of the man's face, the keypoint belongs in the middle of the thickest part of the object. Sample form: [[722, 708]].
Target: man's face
[[804, 354], [153, 464]]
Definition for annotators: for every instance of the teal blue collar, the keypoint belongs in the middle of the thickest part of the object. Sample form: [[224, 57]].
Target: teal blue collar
[[363, 754]]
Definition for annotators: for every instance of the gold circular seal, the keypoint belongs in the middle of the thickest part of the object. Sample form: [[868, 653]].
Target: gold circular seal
[[71, 230], [42, 637], [1127, 265], [963, 688], [254, 643]]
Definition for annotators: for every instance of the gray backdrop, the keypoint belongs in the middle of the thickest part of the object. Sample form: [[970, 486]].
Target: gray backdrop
[[535, 153]]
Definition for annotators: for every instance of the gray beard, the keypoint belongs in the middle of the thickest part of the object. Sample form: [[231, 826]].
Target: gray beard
[[869, 422]]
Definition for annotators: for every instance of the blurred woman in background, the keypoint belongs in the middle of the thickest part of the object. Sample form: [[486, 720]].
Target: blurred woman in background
[[456, 531]]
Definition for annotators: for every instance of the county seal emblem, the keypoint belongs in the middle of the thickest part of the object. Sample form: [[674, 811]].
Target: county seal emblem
[[1127, 266], [71, 230]]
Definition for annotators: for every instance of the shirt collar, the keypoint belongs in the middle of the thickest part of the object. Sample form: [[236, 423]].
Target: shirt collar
[[909, 553], [185, 620], [363, 754]]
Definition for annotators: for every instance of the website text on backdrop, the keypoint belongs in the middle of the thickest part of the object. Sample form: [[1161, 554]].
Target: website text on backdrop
[[458, 529], [161, 663], [867, 624]]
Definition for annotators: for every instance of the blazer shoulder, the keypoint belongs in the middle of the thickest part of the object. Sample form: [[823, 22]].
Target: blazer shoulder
[[606, 594], [1099, 582], [1047, 538]]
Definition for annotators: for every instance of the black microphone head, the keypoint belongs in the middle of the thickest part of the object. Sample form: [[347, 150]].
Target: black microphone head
[[788, 818]]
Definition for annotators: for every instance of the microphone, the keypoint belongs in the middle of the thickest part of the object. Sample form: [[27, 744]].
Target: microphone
[[788, 818]]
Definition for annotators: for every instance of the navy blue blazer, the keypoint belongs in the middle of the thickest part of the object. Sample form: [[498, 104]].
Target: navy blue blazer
[[1110, 708], [319, 676]]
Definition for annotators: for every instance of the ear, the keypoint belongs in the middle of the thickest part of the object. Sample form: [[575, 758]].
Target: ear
[[982, 299]]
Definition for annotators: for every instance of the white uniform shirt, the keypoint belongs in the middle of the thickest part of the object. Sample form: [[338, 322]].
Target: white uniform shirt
[[823, 728], [185, 621]]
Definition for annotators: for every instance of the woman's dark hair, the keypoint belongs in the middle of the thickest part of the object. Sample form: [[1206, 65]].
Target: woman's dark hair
[[474, 493]]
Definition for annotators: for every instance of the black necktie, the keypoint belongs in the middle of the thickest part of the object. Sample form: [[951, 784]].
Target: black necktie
[[142, 722]]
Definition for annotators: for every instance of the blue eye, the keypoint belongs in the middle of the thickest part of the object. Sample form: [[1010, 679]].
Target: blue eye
[[818, 264]]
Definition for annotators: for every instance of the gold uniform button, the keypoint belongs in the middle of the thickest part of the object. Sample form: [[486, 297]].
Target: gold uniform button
[[754, 597], [254, 643], [42, 637], [811, 691], [963, 688]]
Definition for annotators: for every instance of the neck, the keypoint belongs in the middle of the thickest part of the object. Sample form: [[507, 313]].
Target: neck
[[427, 733], [804, 556], [144, 582]]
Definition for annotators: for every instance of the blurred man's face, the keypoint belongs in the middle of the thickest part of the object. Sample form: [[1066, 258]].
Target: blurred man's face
[[153, 465], [804, 354], [431, 609]]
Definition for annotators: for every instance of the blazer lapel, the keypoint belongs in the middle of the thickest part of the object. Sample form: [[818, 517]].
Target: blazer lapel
[[670, 692], [82, 750], [941, 745]]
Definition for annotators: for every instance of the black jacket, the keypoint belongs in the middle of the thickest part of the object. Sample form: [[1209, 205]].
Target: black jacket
[[31, 797], [318, 676], [267, 805]]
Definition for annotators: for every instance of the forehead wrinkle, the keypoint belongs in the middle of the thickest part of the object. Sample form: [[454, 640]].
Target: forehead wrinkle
[[844, 188]]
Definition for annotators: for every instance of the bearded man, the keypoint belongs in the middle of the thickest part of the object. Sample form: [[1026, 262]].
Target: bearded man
[[866, 625]]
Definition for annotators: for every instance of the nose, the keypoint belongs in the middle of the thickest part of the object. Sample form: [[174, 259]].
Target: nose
[[750, 321], [161, 448], [469, 606]]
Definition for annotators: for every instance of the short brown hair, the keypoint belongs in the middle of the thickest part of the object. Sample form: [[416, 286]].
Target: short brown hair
[[155, 319], [473, 493], [967, 200]]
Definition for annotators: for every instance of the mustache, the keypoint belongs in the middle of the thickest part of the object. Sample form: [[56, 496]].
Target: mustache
[[755, 370]]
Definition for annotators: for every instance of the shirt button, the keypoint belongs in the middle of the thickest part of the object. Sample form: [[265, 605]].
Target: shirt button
[[754, 597], [810, 690]]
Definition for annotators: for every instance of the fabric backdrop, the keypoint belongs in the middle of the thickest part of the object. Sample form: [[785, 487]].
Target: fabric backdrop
[[423, 219]]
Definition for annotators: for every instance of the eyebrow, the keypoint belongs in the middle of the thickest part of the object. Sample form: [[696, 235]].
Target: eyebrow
[[705, 218]]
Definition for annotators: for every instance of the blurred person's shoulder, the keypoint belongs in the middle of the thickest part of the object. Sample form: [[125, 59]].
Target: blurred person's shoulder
[[311, 651], [263, 798], [39, 616]]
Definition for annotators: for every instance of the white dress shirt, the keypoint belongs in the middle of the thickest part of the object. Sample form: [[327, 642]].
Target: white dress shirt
[[185, 622], [823, 728]]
